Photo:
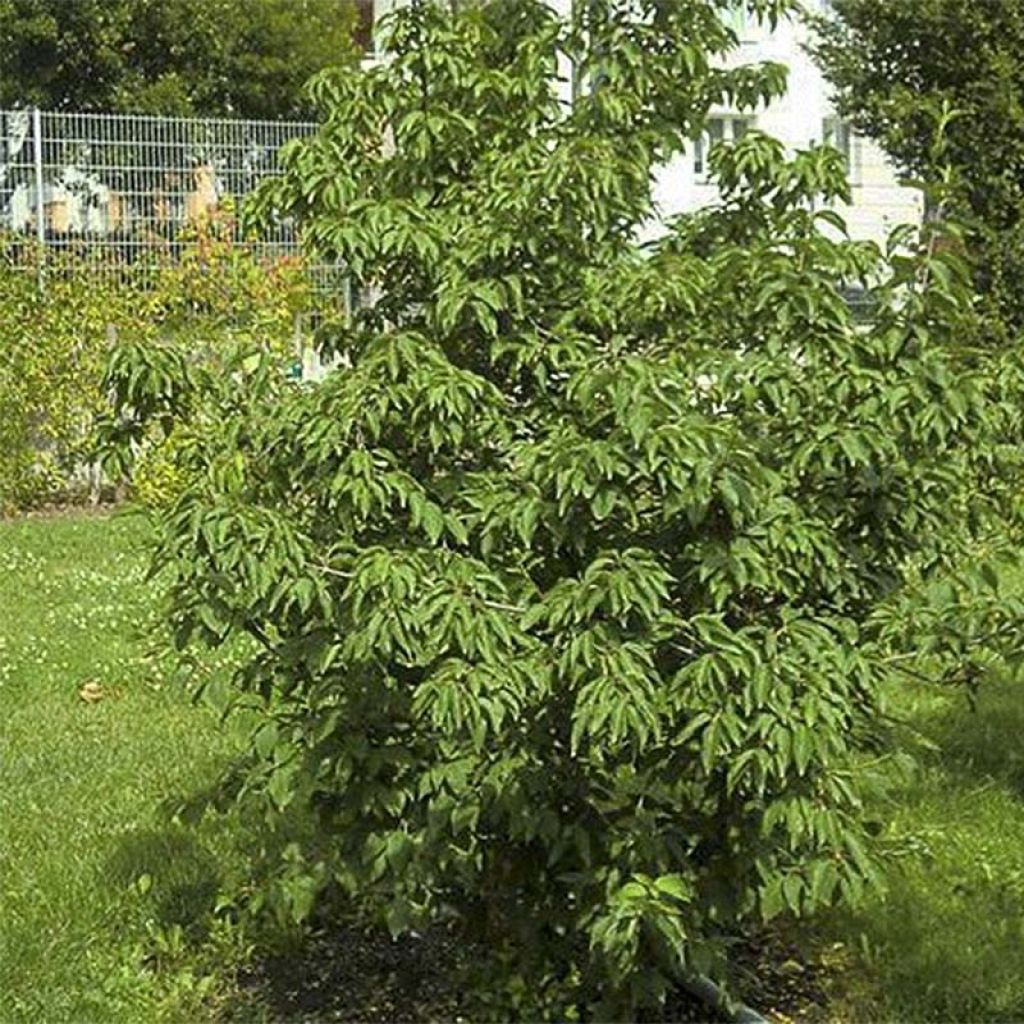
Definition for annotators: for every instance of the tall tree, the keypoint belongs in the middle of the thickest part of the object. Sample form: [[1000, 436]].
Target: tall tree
[[246, 58], [895, 65]]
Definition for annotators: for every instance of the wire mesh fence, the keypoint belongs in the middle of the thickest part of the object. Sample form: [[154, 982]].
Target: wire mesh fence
[[122, 191]]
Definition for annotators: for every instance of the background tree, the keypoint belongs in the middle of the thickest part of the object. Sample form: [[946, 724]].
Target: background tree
[[244, 58], [896, 64]]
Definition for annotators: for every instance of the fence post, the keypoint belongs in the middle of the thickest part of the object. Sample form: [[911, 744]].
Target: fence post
[[297, 371], [37, 157]]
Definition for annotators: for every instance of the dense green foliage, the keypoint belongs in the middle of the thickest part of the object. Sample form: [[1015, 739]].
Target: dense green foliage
[[574, 589], [244, 58], [896, 64]]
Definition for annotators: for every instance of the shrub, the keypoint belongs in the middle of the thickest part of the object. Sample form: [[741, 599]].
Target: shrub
[[54, 349], [566, 594], [52, 355]]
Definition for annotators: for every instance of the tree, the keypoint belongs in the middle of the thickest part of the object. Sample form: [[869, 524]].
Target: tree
[[243, 58], [897, 63], [567, 598]]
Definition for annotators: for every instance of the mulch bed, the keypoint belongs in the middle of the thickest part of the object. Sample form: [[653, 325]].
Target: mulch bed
[[348, 976]]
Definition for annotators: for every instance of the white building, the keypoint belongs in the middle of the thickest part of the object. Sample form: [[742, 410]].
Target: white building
[[802, 117]]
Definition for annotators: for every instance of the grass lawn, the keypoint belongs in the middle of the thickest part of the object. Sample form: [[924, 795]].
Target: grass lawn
[[947, 943], [100, 890], [106, 900]]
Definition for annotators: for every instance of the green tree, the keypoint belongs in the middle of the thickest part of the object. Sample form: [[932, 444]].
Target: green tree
[[896, 64], [568, 595], [245, 58]]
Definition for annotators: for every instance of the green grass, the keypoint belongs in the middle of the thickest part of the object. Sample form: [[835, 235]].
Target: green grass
[[947, 943], [102, 896]]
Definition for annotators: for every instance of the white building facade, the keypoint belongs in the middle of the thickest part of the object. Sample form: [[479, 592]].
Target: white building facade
[[802, 117]]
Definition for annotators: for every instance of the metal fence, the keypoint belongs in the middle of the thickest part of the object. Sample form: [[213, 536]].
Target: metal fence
[[121, 190]]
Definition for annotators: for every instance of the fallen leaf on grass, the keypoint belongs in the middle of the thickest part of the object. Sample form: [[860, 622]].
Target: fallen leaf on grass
[[91, 692]]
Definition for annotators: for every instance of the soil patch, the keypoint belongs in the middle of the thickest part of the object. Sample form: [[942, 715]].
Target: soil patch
[[344, 975]]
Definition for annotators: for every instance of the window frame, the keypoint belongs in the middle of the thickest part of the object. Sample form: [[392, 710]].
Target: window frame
[[840, 134], [708, 138]]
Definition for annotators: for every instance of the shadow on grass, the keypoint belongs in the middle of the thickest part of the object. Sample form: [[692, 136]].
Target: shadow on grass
[[985, 743], [184, 875]]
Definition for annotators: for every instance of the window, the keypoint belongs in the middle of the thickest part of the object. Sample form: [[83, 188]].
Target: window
[[720, 128], [839, 134]]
